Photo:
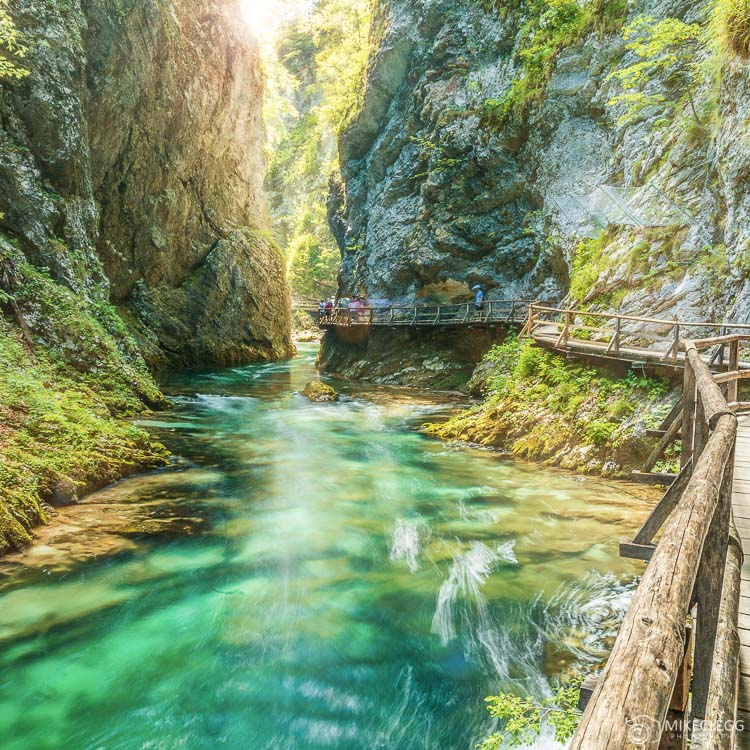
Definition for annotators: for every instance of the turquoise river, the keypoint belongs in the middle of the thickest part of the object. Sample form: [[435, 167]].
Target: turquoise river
[[307, 576]]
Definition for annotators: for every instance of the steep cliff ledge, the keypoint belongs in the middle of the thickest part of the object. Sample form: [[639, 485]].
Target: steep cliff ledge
[[133, 230], [498, 143]]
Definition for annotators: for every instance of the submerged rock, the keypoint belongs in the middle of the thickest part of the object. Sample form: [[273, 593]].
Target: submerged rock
[[320, 393]]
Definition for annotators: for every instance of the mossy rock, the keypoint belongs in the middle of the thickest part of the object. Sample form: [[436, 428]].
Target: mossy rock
[[320, 393]]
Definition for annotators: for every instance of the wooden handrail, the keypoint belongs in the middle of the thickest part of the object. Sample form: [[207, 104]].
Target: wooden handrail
[[637, 684], [719, 732], [640, 319]]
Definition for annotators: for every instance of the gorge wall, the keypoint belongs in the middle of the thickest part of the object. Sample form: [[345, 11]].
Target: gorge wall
[[133, 232], [487, 151], [132, 168]]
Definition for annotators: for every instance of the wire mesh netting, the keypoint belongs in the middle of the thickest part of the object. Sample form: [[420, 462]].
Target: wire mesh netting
[[646, 206]]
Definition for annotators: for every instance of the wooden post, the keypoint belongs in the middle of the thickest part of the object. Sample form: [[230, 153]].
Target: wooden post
[[666, 440], [614, 345], [636, 686], [708, 588], [722, 332], [722, 694], [675, 346], [688, 414], [734, 366], [512, 312], [565, 333]]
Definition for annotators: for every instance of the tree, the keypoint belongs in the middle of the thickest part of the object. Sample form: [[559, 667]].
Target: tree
[[321, 60], [668, 53], [12, 46]]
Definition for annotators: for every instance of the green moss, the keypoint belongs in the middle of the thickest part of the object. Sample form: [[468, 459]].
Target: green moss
[[589, 261], [539, 406], [648, 256], [63, 404], [549, 27], [732, 26]]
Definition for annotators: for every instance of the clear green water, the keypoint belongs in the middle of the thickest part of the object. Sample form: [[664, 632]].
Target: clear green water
[[357, 585]]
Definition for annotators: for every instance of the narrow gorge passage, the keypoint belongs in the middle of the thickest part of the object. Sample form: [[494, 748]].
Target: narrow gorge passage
[[349, 583]]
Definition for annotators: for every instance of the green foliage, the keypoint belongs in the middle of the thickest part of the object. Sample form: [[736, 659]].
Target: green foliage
[[13, 46], [539, 406], [317, 86], [732, 19], [552, 25], [610, 15], [642, 257], [61, 404], [667, 70], [524, 718], [313, 266], [435, 154]]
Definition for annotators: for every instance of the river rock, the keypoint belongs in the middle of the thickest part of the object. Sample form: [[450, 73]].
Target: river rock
[[320, 393]]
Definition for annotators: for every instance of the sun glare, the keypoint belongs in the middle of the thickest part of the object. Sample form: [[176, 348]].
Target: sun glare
[[265, 17]]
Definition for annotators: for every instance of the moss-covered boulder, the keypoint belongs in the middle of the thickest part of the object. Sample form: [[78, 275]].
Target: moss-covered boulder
[[320, 393], [539, 406]]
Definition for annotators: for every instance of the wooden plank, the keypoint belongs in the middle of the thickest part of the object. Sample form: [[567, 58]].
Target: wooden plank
[[722, 557], [633, 551]]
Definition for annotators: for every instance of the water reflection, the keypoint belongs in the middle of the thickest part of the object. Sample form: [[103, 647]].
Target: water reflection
[[352, 584]]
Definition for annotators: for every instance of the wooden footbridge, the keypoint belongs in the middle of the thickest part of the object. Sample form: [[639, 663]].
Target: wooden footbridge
[[678, 675], [495, 312]]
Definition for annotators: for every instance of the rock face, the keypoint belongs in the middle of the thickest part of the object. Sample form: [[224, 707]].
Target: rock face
[[131, 166], [442, 359], [436, 195]]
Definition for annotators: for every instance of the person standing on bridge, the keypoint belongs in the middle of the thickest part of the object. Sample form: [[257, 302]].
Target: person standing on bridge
[[478, 299]]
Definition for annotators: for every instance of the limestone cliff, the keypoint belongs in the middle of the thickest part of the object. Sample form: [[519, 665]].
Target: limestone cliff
[[131, 164], [558, 193]]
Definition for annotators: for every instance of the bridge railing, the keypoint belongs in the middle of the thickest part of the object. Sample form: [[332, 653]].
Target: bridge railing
[[612, 333], [494, 311], [694, 568]]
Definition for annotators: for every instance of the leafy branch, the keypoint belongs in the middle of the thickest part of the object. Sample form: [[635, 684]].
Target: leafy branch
[[525, 717], [12, 46], [667, 51]]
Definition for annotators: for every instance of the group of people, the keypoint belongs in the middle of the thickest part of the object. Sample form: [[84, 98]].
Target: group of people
[[357, 306]]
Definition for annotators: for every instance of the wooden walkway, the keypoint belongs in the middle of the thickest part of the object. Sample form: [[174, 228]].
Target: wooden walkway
[[494, 313], [741, 508]]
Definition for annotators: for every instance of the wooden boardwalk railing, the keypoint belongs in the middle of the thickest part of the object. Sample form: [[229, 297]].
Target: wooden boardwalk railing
[[626, 337], [695, 569]]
